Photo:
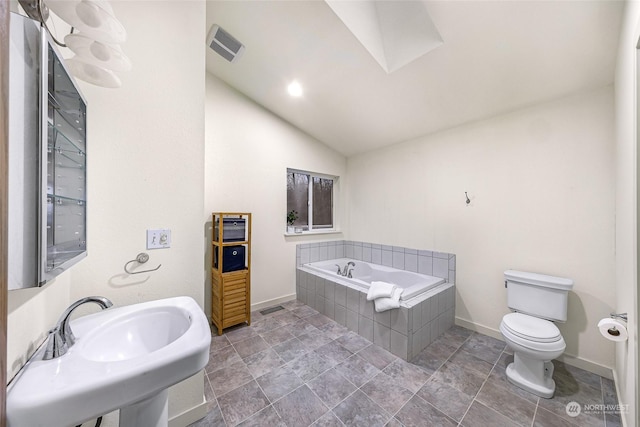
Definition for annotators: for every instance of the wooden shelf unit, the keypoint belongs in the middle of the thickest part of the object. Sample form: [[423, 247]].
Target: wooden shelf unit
[[230, 291]]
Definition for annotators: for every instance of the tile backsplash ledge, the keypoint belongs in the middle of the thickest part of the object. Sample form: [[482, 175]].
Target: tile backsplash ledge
[[437, 264]]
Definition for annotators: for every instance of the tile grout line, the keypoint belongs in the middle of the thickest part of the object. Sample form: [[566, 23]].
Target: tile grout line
[[242, 385], [330, 409], [213, 391], [256, 379], [216, 399], [430, 377], [346, 379], [416, 393], [604, 417], [475, 398], [269, 400], [281, 397], [360, 388], [604, 412], [304, 383], [483, 383], [366, 382], [535, 413], [217, 402], [393, 415]]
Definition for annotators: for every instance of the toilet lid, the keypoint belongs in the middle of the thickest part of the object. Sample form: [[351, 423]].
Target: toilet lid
[[531, 328]]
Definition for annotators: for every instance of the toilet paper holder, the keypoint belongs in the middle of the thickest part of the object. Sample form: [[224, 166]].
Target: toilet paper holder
[[614, 327], [622, 316]]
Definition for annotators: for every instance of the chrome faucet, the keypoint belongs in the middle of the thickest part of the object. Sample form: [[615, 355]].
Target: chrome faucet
[[61, 336], [347, 270]]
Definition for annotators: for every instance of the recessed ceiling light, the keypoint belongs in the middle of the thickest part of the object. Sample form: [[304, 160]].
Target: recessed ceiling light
[[295, 89]]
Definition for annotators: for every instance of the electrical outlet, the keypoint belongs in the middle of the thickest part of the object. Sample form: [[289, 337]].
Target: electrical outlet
[[158, 239]]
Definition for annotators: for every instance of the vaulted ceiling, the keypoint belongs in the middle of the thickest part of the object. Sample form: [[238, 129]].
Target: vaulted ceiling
[[496, 56]]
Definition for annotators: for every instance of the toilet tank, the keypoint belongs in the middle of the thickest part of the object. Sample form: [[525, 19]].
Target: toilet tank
[[538, 295]]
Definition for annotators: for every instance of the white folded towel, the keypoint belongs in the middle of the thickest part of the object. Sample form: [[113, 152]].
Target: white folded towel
[[384, 304], [380, 290]]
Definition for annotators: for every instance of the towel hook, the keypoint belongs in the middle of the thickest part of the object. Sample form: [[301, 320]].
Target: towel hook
[[140, 259], [465, 194]]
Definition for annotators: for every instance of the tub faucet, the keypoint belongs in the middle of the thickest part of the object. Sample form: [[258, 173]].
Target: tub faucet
[[339, 271], [347, 269], [61, 336]]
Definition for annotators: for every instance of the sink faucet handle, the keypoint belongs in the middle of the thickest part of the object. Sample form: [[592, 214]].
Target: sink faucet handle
[[61, 336]]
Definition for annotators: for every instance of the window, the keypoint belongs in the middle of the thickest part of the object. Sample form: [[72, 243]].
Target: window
[[310, 198]]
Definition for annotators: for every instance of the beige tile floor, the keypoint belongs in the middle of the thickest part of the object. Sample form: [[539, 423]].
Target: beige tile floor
[[296, 367]]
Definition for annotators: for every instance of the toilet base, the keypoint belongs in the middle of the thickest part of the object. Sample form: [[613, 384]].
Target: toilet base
[[534, 376]]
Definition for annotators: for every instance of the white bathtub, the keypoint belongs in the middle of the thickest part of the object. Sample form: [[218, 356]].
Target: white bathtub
[[364, 273]]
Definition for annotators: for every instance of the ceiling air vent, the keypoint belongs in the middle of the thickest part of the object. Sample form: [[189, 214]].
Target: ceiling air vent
[[224, 44]]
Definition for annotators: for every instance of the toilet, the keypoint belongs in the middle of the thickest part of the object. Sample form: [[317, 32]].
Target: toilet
[[537, 300]]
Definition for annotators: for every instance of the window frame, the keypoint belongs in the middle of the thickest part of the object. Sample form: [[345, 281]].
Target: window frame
[[334, 197]]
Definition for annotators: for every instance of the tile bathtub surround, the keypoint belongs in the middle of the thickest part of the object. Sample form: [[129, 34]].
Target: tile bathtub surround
[[343, 379], [438, 264], [405, 331]]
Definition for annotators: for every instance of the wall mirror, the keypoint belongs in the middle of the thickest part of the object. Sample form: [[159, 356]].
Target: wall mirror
[[47, 159]]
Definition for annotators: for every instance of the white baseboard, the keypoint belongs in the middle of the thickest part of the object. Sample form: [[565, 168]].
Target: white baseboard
[[272, 302], [587, 365], [190, 416], [479, 328], [618, 394]]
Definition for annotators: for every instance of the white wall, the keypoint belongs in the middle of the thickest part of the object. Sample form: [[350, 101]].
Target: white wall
[[626, 365], [541, 183], [145, 154], [145, 158], [248, 151], [145, 170], [32, 312]]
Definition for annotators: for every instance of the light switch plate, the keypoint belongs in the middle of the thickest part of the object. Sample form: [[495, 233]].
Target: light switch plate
[[158, 239]]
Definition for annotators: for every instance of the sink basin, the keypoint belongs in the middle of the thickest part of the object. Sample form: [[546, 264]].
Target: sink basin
[[122, 356], [135, 334]]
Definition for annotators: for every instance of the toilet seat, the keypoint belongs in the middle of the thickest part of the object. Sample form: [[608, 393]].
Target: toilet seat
[[531, 333], [531, 328]]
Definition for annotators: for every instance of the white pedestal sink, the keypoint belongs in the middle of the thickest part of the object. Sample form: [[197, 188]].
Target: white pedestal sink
[[124, 358]]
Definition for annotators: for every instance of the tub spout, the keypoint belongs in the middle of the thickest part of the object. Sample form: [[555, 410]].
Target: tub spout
[[348, 268]]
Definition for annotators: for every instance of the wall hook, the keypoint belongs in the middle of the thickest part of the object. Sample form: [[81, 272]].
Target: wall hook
[[140, 259], [465, 194]]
